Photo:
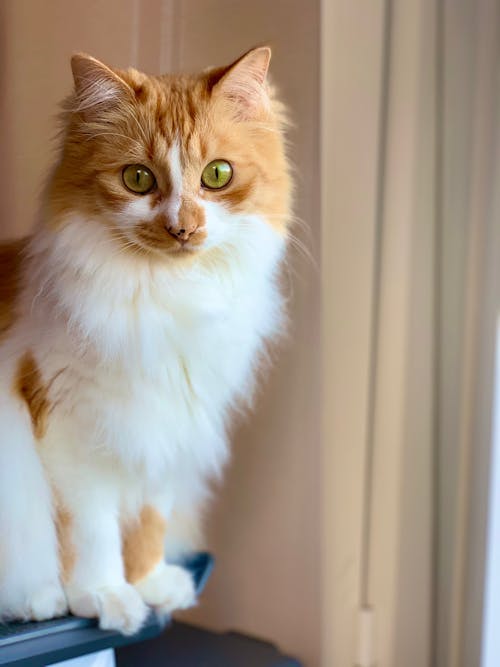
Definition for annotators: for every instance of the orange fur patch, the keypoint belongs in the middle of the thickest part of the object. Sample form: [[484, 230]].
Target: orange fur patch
[[143, 544], [139, 121], [67, 555], [10, 279], [31, 388]]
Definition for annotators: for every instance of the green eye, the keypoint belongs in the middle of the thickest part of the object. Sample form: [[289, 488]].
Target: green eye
[[216, 174], [138, 178]]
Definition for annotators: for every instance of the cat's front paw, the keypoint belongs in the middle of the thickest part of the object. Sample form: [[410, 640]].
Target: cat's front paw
[[167, 588], [47, 602], [117, 607]]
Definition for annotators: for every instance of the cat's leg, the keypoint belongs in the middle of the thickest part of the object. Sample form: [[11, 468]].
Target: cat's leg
[[29, 564], [184, 534], [95, 581], [164, 586], [185, 522]]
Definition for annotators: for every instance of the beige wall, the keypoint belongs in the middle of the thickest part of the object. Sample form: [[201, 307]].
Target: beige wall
[[264, 526]]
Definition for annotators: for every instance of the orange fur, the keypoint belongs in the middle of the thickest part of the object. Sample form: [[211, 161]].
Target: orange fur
[[153, 112], [67, 555], [31, 388], [143, 544]]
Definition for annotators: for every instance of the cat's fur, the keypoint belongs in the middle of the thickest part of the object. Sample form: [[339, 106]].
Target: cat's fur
[[122, 350]]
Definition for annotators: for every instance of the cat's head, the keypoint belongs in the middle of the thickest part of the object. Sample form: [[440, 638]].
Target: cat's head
[[173, 165]]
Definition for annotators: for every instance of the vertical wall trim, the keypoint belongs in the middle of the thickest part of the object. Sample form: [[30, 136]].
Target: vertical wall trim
[[469, 43], [350, 152], [481, 625], [375, 306], [438, 328], [481, 320], [400, 565]]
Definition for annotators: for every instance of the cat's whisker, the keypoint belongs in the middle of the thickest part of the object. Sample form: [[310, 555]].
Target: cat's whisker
[[117, 136], [295, 220], [133, 116], [267, 128], [302, 249]]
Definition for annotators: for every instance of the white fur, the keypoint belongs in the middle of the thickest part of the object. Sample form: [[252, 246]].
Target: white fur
[[167, 587], [139, 209], [175, 175], [118, 607], [144, 361], [29, 581]]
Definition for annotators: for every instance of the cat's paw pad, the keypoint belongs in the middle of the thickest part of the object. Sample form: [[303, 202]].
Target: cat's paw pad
[[167, 588], [117, 607], [48, 602]]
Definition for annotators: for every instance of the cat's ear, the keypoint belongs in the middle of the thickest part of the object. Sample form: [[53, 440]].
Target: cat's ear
[[243, 84], [97, 86]]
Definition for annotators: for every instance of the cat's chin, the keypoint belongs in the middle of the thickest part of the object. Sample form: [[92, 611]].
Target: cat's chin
[[176, 250], [180, 254], [183, 250]]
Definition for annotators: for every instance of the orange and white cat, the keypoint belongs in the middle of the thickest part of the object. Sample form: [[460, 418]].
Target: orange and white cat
[[132, 321]]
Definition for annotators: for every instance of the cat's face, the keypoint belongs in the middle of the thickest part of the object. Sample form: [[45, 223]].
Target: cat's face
[[173, 165]]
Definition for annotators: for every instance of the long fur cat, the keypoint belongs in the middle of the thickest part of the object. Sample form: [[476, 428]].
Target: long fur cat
[[132, 321]]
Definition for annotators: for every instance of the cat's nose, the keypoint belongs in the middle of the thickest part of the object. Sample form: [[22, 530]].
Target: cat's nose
[[189, 219], [182, 233]]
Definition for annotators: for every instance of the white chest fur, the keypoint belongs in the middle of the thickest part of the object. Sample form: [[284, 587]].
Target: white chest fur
[[154, 360]]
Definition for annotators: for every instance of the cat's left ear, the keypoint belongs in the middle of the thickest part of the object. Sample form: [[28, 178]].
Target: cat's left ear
[[97, 86], [244, 83]]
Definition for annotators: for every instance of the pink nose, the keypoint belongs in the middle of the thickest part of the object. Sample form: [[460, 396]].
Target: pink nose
[[189, 219], [182, 233]]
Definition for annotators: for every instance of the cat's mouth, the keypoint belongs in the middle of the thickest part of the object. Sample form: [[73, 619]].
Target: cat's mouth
[[155, 240], [183, 248], [177, 249]]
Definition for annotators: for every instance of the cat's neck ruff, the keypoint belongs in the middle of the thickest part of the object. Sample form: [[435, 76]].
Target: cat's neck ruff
[[113, 300]]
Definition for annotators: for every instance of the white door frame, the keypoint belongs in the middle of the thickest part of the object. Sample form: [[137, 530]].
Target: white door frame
[[405, 495]]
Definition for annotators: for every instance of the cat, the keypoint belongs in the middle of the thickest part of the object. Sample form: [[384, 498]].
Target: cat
[[132, 323]]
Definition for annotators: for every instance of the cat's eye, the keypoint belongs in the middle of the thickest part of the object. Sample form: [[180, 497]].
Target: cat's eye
[[216, 174], [138, 179]]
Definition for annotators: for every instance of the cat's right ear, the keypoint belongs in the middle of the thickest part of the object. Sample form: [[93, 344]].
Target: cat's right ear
[[97, 86], [243, 84]]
